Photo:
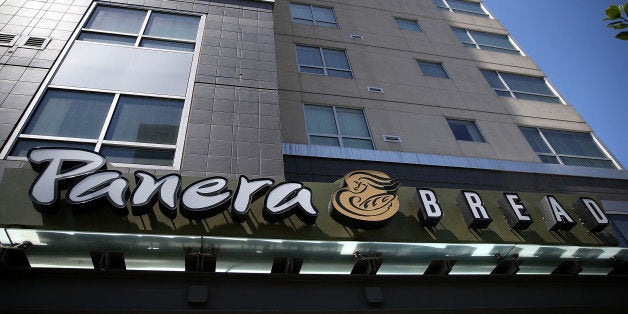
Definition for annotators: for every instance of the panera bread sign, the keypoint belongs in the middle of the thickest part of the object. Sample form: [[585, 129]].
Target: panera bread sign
[[366, 199]]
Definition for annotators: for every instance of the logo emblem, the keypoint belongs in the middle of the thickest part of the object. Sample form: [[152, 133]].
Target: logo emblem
[[367, 200]]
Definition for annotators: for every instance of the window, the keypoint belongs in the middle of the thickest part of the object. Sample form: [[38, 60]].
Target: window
[[332, 126], [323, 61], [460, 6], [121, 127], [112, 96], [566, 148], [486, 41], [409, 25], [313, 15], [131, 27], [433, 69], [520, 86], [465, 130]]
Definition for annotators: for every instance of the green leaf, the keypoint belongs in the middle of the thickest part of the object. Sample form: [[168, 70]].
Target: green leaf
[[613, 12], [622, 36], [626, 8], [619, 26]]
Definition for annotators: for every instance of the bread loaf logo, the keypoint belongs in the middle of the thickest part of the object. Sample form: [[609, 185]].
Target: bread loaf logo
[[366, 200]]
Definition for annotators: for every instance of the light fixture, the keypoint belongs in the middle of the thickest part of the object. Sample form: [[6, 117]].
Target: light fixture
[[506, 265], [440, 267], [108, 260], [366, 265], [568, 268], [284, 265]]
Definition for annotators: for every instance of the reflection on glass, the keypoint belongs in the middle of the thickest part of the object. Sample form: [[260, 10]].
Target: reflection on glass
[[433, 69], [22, 146], [172, 26], [408, 25], [120, 20], [70, 114], [170, 45], [146, 120], [142, 156], [465, 130], [107, 39]]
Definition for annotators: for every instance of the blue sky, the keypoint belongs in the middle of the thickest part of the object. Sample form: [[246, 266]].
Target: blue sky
[[580, 55]]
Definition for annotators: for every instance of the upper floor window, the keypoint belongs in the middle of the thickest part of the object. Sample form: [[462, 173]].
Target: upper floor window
[[433, 69], [140, 28], [486, 41], [112, 96], [323, 61], [520, 86], [465, 130], [567, 148], [466, 7], [313, 15], [409, 25], [333, 126]]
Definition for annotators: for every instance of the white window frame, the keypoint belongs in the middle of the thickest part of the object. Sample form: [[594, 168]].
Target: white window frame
[[512, 92], [324, 67], [339, 134], [450, 9], [479, 46], [314, 21], [178, 147], [558, 156]]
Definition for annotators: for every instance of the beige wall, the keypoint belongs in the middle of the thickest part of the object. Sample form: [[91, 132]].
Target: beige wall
[[413, 106]]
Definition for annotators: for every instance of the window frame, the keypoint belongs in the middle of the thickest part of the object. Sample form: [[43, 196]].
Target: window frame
[[339, 136], [397, 19], [515, 51], [419, 61], [557, 156], [512, 92], [187, 100], [314, 21], [472, 122], [455, 10], [325, 68]]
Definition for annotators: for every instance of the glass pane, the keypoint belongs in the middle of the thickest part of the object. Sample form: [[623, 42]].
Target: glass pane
[[301, 11], [465, 130], [336, 59], [357, 143], [527, 84], [22, 146], [538, 97], [320, 120], [408, 25], [535, 140], [70, 114], [583, 162], [345, 74], [462, 35], [439, 3], [573, 143], [492, 40], [324, 15], [502, 50], [549, 159], [108, 39], [146, 120], [352, 122], [466, 6], [170, 45], [325, 141], [433, 69], [311, 70], [493, 80], [116, 20], [503, 93], [620, 225], [172, 26], [138, 156], [309, 56]]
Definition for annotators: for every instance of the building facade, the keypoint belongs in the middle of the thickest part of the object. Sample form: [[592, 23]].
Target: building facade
[[248, 120]]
